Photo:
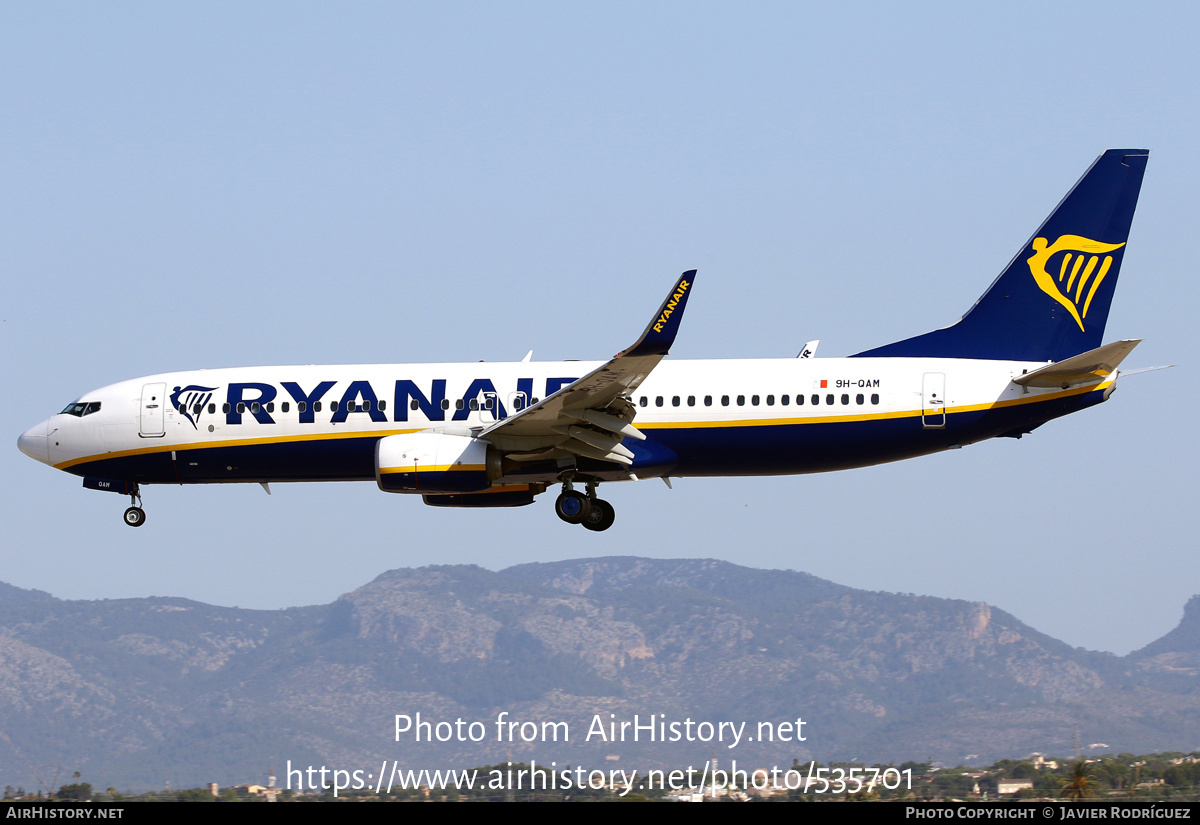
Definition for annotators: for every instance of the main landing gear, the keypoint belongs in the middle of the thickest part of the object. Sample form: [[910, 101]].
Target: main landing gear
[[574, 507], [135, 516]]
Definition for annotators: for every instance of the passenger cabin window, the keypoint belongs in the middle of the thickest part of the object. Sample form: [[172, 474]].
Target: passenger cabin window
[[724, 400], [658, 400], [783, 400], [414, 405], [445, 404], [845, 398], [754, 400], [674, 400], [285, 407], [333, 406], [474, 403], [643, 401], [829, 399], [301, 406], [816, 399], [770, 401], [874, 398], [858, 399], [691, 400], [212, 409], [317, 407], [708, 400], [382, 405]]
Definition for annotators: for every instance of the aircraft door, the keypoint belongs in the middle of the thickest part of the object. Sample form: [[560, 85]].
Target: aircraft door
[[933, 401], [152, 417]]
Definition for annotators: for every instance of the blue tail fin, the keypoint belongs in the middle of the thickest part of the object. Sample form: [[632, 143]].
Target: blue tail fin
[[1052, 300]]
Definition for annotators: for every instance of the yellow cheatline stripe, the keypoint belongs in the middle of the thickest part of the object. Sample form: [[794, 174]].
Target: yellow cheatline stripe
[[841, 419], [434, 468], [241, 442]]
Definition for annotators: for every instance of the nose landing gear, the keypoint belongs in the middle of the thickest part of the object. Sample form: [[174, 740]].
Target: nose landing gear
[[574, 507], [135, 516]]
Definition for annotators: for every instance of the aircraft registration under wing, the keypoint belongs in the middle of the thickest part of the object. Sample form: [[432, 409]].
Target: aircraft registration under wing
[[499, 434]]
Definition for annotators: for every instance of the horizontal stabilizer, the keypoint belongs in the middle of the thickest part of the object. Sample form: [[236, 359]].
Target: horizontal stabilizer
[[1090, 367]]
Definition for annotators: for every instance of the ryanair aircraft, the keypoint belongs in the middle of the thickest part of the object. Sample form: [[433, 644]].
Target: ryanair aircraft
[[497, 435]]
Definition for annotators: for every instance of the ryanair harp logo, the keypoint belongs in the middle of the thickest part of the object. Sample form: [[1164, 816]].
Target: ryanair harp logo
[[190, 401], [1081, 270]]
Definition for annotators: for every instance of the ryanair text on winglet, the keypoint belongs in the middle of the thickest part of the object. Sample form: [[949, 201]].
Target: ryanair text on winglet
[[671, 304]]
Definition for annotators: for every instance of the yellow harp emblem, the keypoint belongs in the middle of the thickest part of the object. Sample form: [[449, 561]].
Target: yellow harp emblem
[[1075, 286]]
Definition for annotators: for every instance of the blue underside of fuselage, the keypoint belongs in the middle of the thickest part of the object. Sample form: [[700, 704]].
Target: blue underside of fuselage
[[700, 451]]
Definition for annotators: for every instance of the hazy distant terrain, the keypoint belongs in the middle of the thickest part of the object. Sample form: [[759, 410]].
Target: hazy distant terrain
[[140, 692]]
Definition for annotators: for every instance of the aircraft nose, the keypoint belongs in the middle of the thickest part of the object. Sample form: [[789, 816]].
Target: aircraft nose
[[34, 443]]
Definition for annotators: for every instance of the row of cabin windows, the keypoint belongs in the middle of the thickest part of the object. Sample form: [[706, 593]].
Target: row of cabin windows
[[474, 403], [784, 400], [365, 406]]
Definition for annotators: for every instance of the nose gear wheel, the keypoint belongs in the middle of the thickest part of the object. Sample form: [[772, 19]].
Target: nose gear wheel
[[135, 516]]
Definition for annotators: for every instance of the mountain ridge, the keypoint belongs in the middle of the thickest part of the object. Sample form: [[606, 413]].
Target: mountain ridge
[[145, 688]]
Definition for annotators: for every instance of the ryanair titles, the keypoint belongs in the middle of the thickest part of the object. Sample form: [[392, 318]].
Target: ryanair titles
[[672, 302], [263, 401]]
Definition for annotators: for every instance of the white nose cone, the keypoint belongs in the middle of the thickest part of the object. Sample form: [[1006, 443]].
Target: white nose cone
[[34, 443]]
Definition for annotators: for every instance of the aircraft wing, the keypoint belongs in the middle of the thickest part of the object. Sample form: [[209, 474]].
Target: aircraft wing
[[591, 416]]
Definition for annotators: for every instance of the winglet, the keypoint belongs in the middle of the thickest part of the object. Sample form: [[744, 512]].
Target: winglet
[[660, 334]]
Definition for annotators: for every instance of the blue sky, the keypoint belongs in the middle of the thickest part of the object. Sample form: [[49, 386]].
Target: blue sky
[[221, 184]]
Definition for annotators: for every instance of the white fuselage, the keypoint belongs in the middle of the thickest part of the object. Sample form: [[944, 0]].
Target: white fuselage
[[720, 417]]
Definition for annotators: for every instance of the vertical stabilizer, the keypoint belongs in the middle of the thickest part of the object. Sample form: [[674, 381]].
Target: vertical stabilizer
[[1052, 300]]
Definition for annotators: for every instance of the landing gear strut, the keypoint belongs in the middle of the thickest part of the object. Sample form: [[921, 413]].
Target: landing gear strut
[[574, 507], [135, 516]]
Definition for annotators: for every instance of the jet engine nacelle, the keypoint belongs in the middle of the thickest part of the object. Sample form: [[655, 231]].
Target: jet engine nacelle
[[435, 462]]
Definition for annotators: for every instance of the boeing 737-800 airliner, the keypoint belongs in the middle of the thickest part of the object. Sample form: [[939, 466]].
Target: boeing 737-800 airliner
[[497, 435]]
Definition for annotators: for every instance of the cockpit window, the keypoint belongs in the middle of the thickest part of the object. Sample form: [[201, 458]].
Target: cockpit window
[[81, 409]]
